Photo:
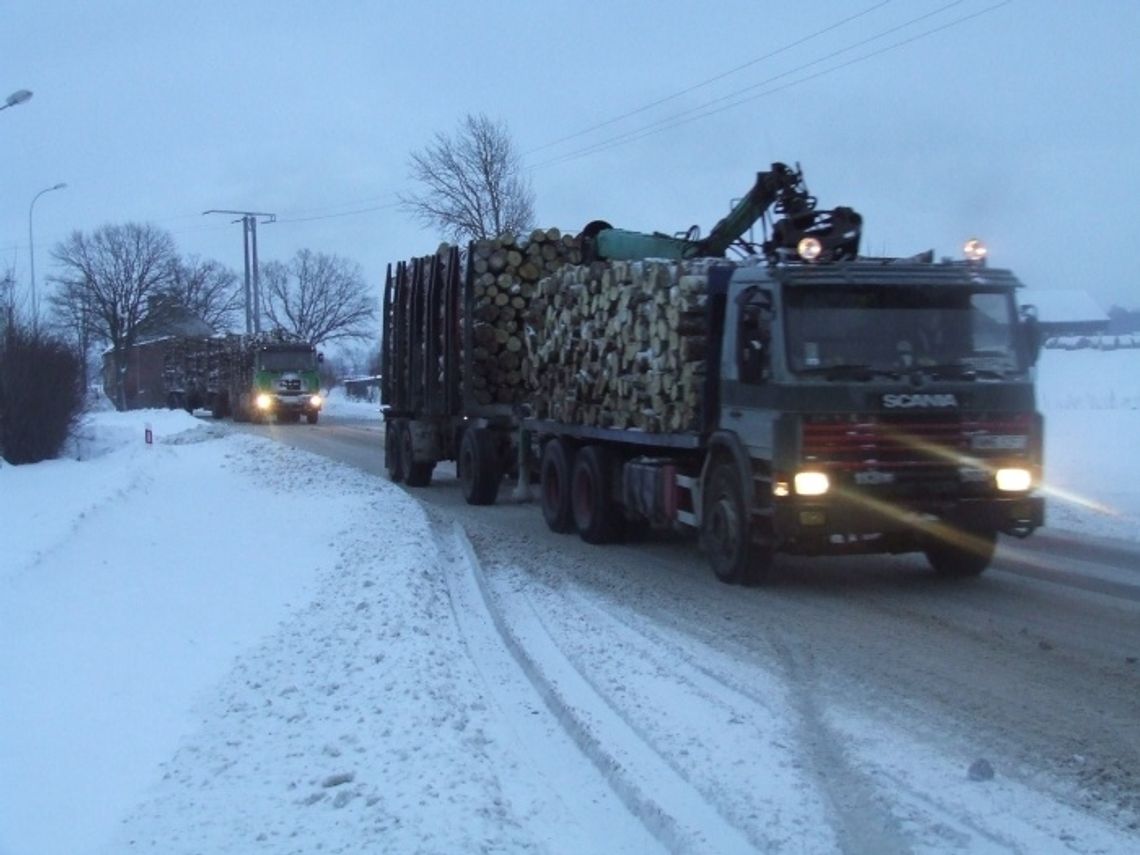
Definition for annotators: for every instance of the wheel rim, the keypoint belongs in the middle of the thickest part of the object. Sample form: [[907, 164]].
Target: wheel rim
[[406, 438], [584, 498], [466, 466], [724, 531], [552, 486]]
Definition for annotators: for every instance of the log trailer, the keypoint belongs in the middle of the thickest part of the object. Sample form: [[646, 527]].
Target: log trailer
[[843, 404], [255, 377]]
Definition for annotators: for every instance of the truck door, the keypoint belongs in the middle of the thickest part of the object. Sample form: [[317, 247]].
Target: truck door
[[746, 368]]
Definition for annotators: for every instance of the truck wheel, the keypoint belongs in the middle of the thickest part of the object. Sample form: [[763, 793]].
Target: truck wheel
[[479, 469], [219, 408], [418, 474], [393, 452], [726, 534], [968, 554], [598, 519], [312, 418], [554, 483]]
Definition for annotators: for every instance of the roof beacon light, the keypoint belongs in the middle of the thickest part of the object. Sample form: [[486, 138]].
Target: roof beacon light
[[974, 250], [809, 248]]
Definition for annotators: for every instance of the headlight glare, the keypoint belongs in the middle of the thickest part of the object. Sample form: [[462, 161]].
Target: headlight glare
[[811, 483], [1013, 480], [315, 402], [809, 248], [264, 401], [974, 250]]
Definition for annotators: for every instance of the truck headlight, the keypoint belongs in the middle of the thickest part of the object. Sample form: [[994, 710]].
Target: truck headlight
[[264, 401], [1013, 480], [315, 402], [811, 483]]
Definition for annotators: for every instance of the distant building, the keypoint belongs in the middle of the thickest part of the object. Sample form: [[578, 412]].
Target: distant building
[[362, 388], [1066, 313], [142, 384]]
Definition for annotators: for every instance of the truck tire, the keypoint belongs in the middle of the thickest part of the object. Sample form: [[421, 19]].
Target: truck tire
[[596, 516], [479, 469], [393, 452], [969, 554], [726, 533], [554, 484], [240, 411], [312, 418], [219, 408], [416, 474]]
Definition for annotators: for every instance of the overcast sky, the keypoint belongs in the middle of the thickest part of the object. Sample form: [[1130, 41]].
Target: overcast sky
[[1012, 121]]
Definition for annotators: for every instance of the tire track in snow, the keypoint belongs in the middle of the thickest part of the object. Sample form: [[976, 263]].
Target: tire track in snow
[[539, 741], [672, 810], [872, 811]]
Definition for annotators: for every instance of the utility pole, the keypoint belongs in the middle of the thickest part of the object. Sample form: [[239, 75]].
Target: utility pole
[[252, 277]]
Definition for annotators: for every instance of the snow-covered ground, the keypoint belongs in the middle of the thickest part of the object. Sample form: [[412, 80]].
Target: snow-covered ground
[[216, 643]]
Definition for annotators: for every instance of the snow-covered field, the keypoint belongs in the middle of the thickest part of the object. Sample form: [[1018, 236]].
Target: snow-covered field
[[215, 643]]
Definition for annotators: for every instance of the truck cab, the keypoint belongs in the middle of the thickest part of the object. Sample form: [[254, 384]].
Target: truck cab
[[286, 383], [871, 406]]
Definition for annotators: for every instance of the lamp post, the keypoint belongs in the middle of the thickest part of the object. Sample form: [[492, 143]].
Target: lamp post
[[32, 253], [17, 97]]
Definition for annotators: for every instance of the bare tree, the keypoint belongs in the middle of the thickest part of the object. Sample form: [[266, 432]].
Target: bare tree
[[472, 183], [7, 299], [207, 288], [114, 281], [318, 297]]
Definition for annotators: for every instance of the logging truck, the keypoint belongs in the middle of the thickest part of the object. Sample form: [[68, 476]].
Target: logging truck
[[802, 399], [255, 377]]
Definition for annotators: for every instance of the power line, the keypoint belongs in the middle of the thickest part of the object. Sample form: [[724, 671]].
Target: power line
[[702, 111], [353, 213], [709, 80]]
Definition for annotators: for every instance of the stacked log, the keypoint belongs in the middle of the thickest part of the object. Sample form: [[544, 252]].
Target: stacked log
[[505, 275], [620, 345]]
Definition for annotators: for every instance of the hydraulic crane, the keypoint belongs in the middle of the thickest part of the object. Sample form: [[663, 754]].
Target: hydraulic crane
[[801, 234]]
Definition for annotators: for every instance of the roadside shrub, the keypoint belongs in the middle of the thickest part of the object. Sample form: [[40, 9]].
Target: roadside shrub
[[39, 395]]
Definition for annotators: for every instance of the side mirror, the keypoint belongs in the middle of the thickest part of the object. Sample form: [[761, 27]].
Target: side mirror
[[320, 357], [1030, 334]]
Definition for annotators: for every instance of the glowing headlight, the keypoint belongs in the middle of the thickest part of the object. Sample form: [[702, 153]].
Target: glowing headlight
[[809, 248], [1013, 480], [974, 250], [315, 402], [811, 483], [263, 401]]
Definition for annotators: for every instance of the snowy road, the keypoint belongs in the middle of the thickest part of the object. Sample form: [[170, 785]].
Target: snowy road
[[866, 686], [349, 666]]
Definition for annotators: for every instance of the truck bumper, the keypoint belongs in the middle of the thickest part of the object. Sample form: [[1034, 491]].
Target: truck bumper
[[812, 523], [293, 404]]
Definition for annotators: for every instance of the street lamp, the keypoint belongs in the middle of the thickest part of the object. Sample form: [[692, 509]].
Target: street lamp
[[17, 97], [32, 252]]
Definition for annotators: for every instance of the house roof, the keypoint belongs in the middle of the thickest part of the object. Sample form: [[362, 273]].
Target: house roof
[[175, 321]]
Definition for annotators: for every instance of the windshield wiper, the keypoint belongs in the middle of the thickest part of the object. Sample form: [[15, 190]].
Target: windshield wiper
[[849, 371], [960, 371]]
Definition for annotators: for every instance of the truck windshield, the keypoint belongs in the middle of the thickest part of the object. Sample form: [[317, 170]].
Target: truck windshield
[[946, 330], [291, 359]]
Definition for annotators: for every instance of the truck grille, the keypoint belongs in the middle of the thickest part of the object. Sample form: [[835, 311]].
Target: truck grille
[[910, 447], [293, 385]]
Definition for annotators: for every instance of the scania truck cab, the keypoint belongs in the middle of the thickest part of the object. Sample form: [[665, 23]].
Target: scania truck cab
[[874, 406]]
